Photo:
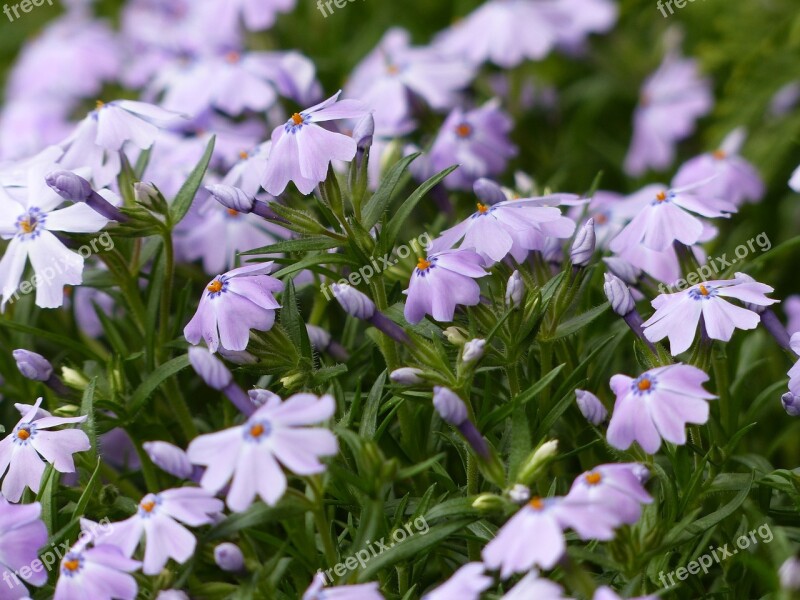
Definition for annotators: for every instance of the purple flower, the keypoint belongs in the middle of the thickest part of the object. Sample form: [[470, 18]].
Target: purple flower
[[515, 290], [612, 488], [355, 303], [302, 150], [32, 365], [229, 557], [657, 404], [157, 519], [393, 71], [100, 573], [677, 315], [591, 407], [734, 179], [791, 404], [169, 458], [22, 533], [233, 304], [606, 593], [532, 586], [583, 246], [670, 102], [509, 227], [477, 140], [465, 584], [250, 453], [364, 591], [406, 376], [21, 451], [440, 282], [666, 216]]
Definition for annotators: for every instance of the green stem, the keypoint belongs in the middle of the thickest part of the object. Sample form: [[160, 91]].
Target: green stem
[[166, 294], [473, 486], [321, 521], [387, 345]]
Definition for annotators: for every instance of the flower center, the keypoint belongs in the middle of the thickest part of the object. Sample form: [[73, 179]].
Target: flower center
[[215, 286], [23, 434], [233, 212], [482, 208], [27, 226], [233, 57], [593, 478], [600, 219], [536, 503], [661, 196], [99, 104], [464, 130], [703, 290], [423, 264], [392, 69], [720, 154], [257, 430], [72, 565], [297, 119], [244, 155], [644, 385], [147, 506]]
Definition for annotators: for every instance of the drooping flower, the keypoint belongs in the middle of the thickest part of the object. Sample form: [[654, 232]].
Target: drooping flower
[[612, 488], [101, 572], [302, 150], [677, 315], [657, 404], [394, 71], [363, 591], [477, 140], [28, 218], [730, 177], [22, 450], [465, 584], [532, 586], [670, 102], [158, 518], [591, 407], [22, 533], [169, 458], [667, 215], [217, 376], [441, 281], [251, 453], [232, 304]]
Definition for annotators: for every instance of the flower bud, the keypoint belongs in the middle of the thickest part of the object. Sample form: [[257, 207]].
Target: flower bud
[[172, 595], [473, 351], [261, 397], [488, 191], [169, 458], [229, 558], [231, 198], [69, 186], [641, 473], [449, 406], [591, 407], [791, 404], [353, 302], [489, 503], [73, 378], [515, 288], [455, 335], [519, 494], [33, 366], [406, 376], [583, 246], [364, 132], [618, 295], [145, 193], [789, 574], [211, 369], [318, 337], [538, 461]]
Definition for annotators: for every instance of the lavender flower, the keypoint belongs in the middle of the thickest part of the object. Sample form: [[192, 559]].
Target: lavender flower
[[73, 187], [33, 366], [232, 304], [677, 315], [355, 303], [21, 451], [534, 586], [169, 458], [364, 591], [791, 404], [612, 488], [101, 572], [515, 289], [657, 404], [216, 375], [250, 453], [591, 407], [22, 533], [302, 150], [789, 574], [440, 282], [157, 519], [606, 593], [229, 557], [583, 246], [465, 584], [406, 376], [473, 351]]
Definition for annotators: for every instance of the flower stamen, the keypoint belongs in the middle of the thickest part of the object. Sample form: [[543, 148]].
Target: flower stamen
[[464, 130], [482, 208], [23, 434], [536, 503], [661, 196], [593, 478], [72, 565], [704, 290], [423, 264], [215, 286], [147, 506], [297, 119], [644, 385]]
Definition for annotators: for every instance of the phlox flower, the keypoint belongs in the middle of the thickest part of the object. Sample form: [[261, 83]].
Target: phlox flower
[[477, 140], [466, 584], [670, 102], [606, 593], [794, 182], [668, 215], [28, 218], [393, 71], [657, 404], [251, 454], [677, 315], [532, 586], [22, 450], [442, 280], [158, 518], [22, 533], [100, 572], [256, 15], [613, 487], [302, 149], [232, 304], [363, 591], [730, 177]]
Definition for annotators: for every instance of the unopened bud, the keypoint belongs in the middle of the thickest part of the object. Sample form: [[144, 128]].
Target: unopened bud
[[32, 365], [473, 351], [229, 557], [591, 407], [618, 295], [515, 288], [583, 246], [353, 302], [406, 376], [449, 406]]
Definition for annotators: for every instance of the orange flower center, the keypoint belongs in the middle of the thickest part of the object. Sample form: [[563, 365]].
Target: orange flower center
[[72, 565], [645, 385], [244, 155], [297, 119], [422, 264], [661, 196], [27, 226], [482, 208], [600, 219], [215, 286], [23, 434], [464, 130], [99, 104], [720, 154], [593, 478], [257, 430], [703, 290], [536, 504], [233, 212], [233, 57], [148, 506], [392, 69]]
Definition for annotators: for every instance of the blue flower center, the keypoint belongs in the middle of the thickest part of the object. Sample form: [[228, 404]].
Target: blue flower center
[[703, 292], [23, 433], [643, 385]]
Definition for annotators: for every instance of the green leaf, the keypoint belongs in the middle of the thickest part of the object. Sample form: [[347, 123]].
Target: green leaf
[[316, 260], [369, 419], [293, 322], [47, 497], [87, 408], [155, 379], [379, 202], [577, 323], [183, 201], [305, 244], [61, 340], [88, 492]]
